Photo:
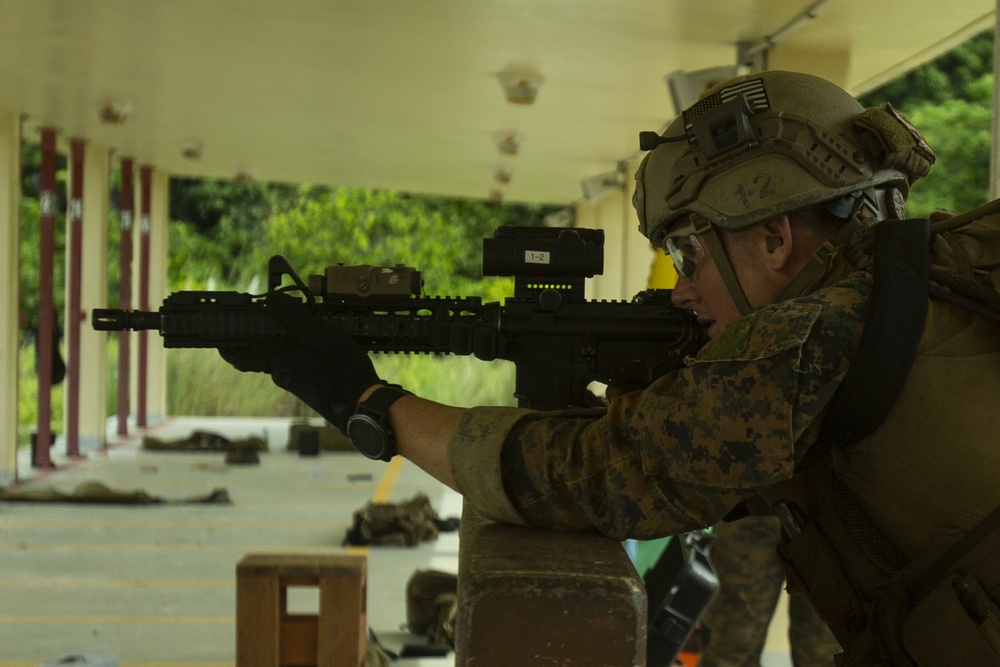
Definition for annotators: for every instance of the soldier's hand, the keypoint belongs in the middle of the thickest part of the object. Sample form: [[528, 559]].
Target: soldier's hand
[[320, 365]]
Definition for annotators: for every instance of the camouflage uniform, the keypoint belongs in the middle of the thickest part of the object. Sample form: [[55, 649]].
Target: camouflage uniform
[[751, 579], [680, 454]]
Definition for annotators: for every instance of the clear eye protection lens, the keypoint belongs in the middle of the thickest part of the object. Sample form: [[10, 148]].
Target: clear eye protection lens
[[684, 251]]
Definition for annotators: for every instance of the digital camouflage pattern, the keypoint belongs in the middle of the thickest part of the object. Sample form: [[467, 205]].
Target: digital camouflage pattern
[[751, 579]]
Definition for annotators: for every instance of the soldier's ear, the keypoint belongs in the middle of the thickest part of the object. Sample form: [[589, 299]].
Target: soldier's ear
[[778, 241]]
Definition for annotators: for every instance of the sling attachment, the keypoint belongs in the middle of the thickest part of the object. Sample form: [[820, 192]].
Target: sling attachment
[[890, 340]]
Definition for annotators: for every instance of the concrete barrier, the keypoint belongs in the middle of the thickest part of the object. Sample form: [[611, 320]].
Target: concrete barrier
[[528, 596]]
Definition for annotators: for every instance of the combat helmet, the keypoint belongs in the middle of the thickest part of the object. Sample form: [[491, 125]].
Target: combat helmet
[[773, 142]]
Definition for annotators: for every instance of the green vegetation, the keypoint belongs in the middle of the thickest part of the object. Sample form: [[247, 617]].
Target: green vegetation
[[950, 101], [27, 398]]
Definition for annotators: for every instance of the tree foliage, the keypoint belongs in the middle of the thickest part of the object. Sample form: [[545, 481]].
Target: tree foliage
[[950, 101], [31, 238], [216, 224], [315, 227], [441, 237], [956, 74]]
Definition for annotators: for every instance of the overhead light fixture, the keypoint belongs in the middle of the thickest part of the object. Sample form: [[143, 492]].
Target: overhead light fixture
[[596, 187], [115, 113], [686, 88], [520, 84], [193, 151], [508, 143]]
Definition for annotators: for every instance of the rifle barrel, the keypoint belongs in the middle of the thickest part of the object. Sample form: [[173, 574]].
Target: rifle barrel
[[114, 319]]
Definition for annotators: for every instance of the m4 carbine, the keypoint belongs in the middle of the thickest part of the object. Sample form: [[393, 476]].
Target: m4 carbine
[[559, 341]]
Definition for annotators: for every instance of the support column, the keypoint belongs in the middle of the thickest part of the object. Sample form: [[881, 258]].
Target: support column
[[604, 214], [628, 256], [125, 291], [608, 212], [585, 217], [46, 310], [94, 408], [145, 187], [10, 242], [156, 369], [74, 313], [639, 256]]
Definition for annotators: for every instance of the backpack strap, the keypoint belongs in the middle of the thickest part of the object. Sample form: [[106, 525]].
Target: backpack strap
[[890, 339]]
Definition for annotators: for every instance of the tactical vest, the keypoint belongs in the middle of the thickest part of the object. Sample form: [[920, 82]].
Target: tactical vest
[[937, 609]]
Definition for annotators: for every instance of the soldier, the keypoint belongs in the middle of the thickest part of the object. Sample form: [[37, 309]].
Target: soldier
[[782, 203], [750, 582]]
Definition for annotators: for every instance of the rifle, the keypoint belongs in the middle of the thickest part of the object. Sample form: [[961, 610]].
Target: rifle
[[559, 341]]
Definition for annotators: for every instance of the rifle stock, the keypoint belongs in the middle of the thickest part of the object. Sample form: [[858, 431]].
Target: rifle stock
[[558, 341]]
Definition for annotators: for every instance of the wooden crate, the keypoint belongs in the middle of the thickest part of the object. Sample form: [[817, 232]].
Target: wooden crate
[[267, 635]]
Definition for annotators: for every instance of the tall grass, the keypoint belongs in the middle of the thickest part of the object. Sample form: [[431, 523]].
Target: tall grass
[[200, 382], [460, 381]]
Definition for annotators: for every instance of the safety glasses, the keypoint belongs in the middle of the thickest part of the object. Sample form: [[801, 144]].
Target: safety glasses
[[685, 252]]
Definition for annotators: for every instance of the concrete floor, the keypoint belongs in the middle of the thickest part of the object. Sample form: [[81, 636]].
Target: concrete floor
[[155, 585]]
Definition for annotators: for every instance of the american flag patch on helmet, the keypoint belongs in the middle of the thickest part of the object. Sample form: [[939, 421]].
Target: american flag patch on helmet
[[752, 91]]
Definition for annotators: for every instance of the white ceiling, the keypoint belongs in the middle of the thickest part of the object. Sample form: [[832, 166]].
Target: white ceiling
[[405, 94]]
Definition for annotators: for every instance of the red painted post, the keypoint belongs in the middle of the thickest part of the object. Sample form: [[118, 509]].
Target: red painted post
[[145, 188], [125, 291], [75, 314], [46, 309]]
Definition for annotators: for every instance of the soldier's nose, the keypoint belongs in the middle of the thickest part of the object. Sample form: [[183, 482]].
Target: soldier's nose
[[684, 295]]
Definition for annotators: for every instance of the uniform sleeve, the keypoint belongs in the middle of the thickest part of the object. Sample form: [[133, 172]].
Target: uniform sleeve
[[678, 455], [474, 459]]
